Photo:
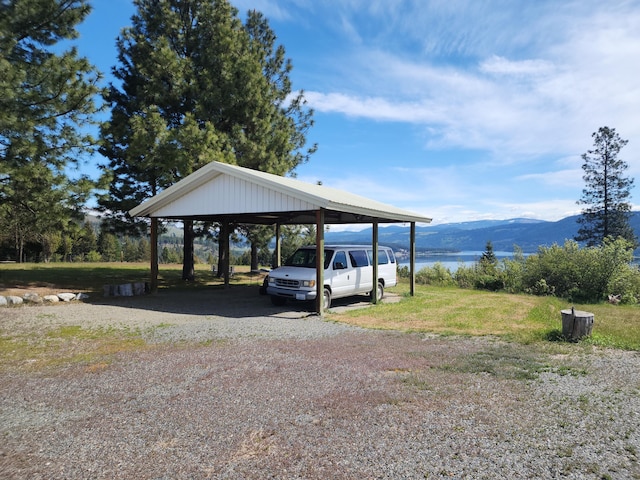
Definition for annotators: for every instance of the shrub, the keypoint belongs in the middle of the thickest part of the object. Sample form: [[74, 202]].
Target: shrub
[[438, 275], [465, 276], [579, 274]]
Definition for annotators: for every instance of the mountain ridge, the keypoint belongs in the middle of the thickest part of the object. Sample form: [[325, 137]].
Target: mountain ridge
[[525, 233]]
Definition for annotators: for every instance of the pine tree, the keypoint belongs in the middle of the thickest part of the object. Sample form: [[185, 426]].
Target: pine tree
[[46, 98], [197, 86], [607, 191]]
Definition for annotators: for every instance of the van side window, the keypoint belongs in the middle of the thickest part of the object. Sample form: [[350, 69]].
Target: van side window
[[340, 261], [382, 257], [391, 256], [358, 258]]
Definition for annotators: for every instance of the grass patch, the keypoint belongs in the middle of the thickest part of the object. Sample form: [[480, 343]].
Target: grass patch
[[511, 361], [64, 346], [91, 277], [523, 319]]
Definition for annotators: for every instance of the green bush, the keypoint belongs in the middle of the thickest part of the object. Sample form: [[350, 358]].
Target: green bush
[[580, 274], [438, 275], [465, 276]]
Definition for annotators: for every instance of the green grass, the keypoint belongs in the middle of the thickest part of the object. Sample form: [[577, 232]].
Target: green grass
[[91, 277], [519, 318], [64, 345]]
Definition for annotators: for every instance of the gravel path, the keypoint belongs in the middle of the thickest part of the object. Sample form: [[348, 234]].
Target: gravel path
[[230, 387]]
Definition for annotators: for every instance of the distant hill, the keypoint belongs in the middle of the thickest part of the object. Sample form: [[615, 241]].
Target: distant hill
[[526, 233]]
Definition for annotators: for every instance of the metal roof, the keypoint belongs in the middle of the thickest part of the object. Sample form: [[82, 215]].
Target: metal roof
[[220, 191]]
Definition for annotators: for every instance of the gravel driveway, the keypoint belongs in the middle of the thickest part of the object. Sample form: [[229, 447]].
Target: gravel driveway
[[229, 387]]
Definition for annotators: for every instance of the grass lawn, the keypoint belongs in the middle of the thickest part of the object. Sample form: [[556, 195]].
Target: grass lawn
[[91, 277], [438, 310], [520, 318]]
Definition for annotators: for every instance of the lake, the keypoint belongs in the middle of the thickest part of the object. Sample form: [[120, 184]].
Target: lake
[[450, 260]]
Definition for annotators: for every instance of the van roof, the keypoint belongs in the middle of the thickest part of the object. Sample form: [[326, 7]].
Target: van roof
[[332, 245]]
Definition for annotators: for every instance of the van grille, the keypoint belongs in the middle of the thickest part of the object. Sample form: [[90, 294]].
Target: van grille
[[284, 282]]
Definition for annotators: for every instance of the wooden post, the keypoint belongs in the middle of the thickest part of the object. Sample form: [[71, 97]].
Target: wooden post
[[278, 252], [153, 285], [374, 287], [224, 243], [412, 260], [320, 262]]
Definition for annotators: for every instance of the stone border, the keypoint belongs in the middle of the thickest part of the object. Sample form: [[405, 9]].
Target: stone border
[[34, 298]]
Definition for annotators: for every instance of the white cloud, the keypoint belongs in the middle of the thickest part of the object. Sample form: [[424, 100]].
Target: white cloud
[[548, 102]]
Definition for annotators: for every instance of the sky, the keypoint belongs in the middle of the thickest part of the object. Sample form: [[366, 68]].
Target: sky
[[459, 110]]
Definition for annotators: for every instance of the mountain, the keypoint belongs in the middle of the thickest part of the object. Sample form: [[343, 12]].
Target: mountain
[[526, 233]]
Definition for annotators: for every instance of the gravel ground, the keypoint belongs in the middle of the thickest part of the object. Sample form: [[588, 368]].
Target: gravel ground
[[230, 387]]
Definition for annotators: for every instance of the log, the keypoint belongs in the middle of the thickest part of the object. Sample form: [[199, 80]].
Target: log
[[576, 324]]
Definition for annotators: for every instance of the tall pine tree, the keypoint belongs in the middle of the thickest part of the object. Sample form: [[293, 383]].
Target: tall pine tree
[[46, 98], [196, 86], [607, 192]]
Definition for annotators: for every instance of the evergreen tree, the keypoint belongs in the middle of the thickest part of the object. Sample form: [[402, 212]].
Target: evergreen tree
[[109, 247], [606, 196], [197, 86], [46, 97]]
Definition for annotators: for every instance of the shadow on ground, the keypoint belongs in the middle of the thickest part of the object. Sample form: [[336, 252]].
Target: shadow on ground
[[238, 301]]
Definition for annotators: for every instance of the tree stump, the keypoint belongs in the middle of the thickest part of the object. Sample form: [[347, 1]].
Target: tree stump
[[576, 324]]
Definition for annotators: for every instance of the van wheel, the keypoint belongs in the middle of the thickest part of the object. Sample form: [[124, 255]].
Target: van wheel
[[380, 291], [278, 301], [326, 299]]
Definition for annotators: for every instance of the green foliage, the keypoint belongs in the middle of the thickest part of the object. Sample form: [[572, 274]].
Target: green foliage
[[607, 192], [587, 274], [581, 274], [196, 86], [46, 99], [438, 275]]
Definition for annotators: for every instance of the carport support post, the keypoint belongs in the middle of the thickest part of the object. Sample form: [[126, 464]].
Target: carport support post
[[320, 262], [412, 260], [278, 252], [153, 285], [374, 287]]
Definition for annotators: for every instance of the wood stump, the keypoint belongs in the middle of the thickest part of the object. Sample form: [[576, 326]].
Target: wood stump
[[576, 324]]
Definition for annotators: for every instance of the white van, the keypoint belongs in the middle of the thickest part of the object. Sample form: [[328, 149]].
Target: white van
[[348, 271]]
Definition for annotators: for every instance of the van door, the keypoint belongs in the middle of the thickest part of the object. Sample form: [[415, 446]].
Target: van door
[[362, 270], [339, 275]]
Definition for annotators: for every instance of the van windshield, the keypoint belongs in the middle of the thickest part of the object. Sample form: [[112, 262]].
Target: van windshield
[[306, 257]]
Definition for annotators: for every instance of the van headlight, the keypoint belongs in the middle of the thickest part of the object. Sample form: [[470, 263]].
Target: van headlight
[[309, 283], [272, 281]]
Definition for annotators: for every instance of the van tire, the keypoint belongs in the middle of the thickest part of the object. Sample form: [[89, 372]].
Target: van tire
[[278, 301], [326, 299], [380, 290]]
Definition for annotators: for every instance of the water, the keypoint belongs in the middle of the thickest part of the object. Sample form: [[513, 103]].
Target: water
[[450, 260]]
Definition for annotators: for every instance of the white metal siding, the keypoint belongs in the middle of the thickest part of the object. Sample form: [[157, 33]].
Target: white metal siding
[[231, 195]]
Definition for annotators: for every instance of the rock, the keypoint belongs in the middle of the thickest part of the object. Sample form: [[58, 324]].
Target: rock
[[3, 301], [125, 290], [14, 300], [139, 288], [51, 298], [82, 296], [32, 298], [66, 297]]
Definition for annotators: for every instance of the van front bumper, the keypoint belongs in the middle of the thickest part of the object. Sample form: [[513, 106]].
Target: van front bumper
[[302, 295]]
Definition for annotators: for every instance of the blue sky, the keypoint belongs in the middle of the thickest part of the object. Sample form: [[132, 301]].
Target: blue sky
[[460, 110]]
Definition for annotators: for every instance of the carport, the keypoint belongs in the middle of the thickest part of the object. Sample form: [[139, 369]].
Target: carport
[[220, 192]]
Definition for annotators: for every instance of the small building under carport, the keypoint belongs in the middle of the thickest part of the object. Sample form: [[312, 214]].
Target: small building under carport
[[220, 192]]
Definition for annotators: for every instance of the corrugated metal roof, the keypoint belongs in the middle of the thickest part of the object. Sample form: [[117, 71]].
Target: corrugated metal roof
[[299, 199]]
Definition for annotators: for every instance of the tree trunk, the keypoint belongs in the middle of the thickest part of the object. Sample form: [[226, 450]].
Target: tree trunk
[[254, 257], [188, 270]]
